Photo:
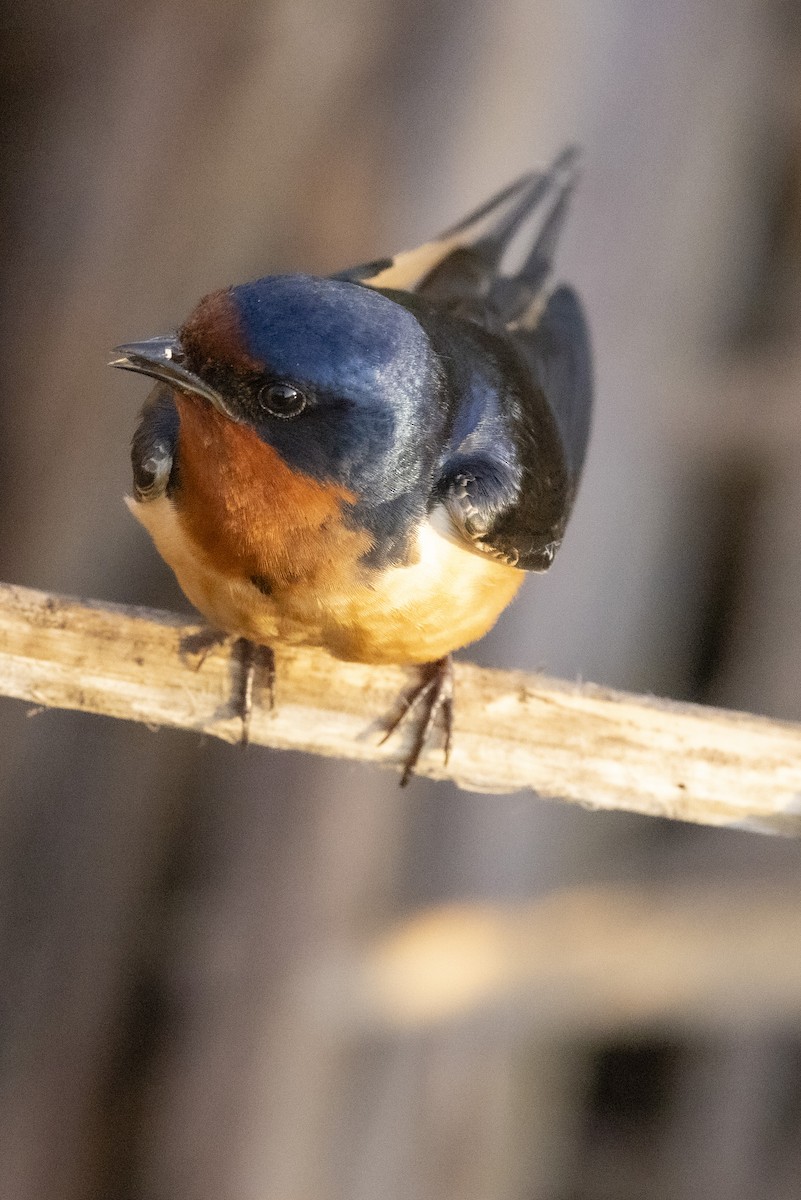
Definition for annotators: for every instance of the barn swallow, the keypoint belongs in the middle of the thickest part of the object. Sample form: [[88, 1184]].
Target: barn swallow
[[372, 461]]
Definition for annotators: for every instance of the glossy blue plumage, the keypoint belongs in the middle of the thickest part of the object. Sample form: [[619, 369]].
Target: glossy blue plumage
[[374, 416]]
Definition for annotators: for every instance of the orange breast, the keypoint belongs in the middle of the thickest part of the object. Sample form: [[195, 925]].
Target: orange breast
[[250, 513], [240, 511]]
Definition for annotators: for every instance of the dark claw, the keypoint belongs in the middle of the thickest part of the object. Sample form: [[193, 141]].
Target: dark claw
[[435, 692], [200, 644]]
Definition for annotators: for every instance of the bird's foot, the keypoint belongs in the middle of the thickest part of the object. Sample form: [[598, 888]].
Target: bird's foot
[[198, 646], [434, 694], [254, 663]]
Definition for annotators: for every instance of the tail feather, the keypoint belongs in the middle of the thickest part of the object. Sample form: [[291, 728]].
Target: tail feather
[[489, 230], [462, 267], [559, 181], [471, 269], [539, 261]]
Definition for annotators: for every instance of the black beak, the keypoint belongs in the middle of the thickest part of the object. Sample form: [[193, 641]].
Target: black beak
[[163, 358]]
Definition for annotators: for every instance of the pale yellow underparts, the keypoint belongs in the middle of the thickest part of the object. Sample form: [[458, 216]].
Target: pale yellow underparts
[[447, 598]]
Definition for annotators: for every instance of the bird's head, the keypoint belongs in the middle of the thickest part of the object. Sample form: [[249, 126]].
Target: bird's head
[[336, 377]]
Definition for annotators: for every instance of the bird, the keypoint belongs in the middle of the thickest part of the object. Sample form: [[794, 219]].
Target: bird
[[372, 461]]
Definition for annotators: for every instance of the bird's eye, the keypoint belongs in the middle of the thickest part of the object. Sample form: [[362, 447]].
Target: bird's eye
[[281, 400]]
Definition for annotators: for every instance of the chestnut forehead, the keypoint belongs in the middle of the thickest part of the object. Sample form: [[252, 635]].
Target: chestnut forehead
[[213, 333]]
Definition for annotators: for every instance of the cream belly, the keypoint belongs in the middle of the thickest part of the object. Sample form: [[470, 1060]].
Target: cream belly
[[450, 596]]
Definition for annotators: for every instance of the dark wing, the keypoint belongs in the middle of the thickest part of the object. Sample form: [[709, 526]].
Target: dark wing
[[509, 487], [557, 350], [510, 480]]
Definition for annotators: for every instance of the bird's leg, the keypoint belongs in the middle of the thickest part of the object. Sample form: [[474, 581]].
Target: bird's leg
[[251, 658], [435, 694], [245, 656]]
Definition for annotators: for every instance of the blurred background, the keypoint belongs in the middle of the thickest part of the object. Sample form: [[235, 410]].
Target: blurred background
[[234, 975]]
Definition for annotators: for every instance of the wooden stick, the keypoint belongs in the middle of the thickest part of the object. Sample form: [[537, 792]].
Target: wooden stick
[[512, 731]]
